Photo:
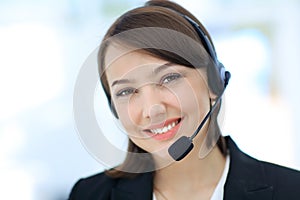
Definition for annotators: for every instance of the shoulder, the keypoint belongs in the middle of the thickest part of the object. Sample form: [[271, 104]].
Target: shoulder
[[282, 177], [285, 181], [98, 185], [103, 187], [252, 176]]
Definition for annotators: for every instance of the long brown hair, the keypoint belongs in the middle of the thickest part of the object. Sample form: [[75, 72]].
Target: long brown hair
[[159, 14]]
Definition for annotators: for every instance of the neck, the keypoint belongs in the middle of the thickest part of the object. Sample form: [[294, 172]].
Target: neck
[[191, 174]]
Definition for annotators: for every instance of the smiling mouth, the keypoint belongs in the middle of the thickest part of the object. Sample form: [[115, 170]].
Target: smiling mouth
[[166, 128]]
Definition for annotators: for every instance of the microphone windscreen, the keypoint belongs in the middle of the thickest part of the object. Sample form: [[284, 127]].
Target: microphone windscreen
[[179, 149]]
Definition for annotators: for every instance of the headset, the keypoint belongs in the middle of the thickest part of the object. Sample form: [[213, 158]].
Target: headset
[[181, 147]]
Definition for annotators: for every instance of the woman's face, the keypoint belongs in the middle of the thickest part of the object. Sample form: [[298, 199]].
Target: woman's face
[[157, 102]]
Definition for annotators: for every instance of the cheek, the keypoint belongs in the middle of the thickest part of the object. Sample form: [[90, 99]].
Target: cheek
[[130, 115], [186, 96], [124, 109], [193, 100]]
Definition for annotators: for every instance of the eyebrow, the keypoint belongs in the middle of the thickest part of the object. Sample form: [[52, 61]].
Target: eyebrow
[[155, 71], [162, 67], [121, 81]]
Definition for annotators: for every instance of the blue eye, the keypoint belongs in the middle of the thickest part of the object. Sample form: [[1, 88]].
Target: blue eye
[[170, 77], [125, 92]]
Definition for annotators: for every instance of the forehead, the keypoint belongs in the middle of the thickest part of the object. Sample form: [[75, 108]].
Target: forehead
[[121, 61]]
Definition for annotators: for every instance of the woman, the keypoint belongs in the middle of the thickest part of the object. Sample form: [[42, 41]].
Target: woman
[[164, 83]]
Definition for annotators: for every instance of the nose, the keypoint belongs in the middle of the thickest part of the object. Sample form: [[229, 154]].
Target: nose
[[155, 112], [152, 103]]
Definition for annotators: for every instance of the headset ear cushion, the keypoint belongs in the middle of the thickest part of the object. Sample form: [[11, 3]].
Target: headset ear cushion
[[224, 75], [221, 71]]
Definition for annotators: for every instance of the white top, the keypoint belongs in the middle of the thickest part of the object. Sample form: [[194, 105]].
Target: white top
[[219, 190]]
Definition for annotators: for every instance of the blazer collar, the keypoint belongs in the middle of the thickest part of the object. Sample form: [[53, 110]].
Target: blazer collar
[[246, 177]]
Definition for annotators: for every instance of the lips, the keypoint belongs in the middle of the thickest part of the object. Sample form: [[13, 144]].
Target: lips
[[164, 130]]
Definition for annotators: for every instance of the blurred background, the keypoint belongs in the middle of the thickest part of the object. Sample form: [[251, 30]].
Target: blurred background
[[43, 45]]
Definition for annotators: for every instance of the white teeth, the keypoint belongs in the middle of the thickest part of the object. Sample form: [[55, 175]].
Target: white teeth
[[164, 129], [169, 126]]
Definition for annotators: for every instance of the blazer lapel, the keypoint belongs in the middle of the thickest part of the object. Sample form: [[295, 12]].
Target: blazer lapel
[[246, 177], [140, 187]]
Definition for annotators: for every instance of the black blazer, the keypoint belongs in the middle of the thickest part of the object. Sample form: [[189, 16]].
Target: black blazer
[[247, 178]]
